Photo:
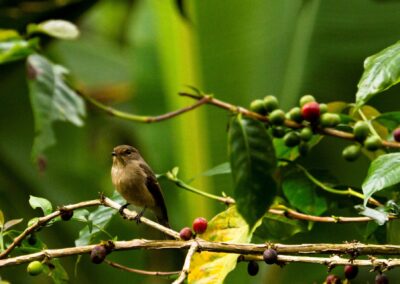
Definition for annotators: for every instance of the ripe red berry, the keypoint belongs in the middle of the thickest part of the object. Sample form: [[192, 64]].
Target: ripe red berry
[[186, 234], [98, 254], [381, 279], [333, 279], [270, 256], [199, 225], [311, 111], [252, 268], [350, 271], [396, 134]]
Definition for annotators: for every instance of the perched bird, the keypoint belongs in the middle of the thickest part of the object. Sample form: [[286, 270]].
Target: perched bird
[[136, 182]]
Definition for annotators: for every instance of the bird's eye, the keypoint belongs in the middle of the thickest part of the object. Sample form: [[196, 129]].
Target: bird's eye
[[128, 152]]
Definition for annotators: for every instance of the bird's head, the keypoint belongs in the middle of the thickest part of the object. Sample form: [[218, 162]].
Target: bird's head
[[123, 154]]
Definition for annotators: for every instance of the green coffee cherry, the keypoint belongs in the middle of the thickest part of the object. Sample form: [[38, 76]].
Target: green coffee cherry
[[304, 148], [306, 134], [277, 117], [306, 99], [330, 119], [373, 143], [271, 103], [351, 153], [360, 130], [291, 139], [323, 108], [258, 107], [295, 114], [34, 268], [278, 131]]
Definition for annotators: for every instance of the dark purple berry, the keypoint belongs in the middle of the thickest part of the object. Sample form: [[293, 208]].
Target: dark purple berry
[[350, 271], [66, 215], [98, 254], [270, 256], [333, 279], [396, 134], [252, 268], [186, 234], [381, 279]]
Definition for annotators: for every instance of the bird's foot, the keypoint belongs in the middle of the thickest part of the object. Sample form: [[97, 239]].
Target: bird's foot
[[139, 215], [121, 210]]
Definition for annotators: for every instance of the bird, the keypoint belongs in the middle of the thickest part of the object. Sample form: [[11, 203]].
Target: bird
[[136, 182]]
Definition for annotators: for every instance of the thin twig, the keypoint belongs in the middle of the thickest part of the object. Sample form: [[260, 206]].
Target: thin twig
[[139, 271], [186, 265], [44, 220]]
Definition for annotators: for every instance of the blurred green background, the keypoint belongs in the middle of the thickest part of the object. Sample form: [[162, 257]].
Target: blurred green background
[[136, 55]]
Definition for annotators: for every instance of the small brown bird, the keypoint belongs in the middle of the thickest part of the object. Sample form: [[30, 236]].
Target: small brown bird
[[136, 182]]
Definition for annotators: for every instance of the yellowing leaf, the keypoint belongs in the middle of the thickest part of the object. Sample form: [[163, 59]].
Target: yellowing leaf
[[211, 267]]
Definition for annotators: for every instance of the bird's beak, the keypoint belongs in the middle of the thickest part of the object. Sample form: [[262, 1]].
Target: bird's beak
[[113, 154]]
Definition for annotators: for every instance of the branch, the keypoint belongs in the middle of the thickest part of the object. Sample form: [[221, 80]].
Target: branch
[[351, 249], [139, 271], [186, 266]]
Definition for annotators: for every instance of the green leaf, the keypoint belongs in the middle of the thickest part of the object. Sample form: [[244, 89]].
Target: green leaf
[[1, 218], [391, 120], [252, 158], [276, 228], [13, 48], [42, 203], [379, 217], [52, 99], [97, 222], [12, 223], [210, 267], [56, 28], [292, 153], [302, 193], [222, 169], [381, 71], [383, 172]]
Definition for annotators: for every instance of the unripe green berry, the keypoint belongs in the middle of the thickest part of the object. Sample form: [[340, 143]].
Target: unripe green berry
[[351, 153], [295, 114], [330, 119], [34, 268], [306, 134], [323, 108], [278, 131], [291, 139], [271, 103], [373, 143], [258, 107], [306, 99], [360, 130], [277, 117]]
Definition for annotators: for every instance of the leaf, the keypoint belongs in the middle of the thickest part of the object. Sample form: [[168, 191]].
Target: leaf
[[42, 203], [379, 217], [277, 228], [12, 223], [381, 71], [222, 169], [292, 153], [97, 222], [252, 159], [56, 271], [81, 215], [302, 193], [390, 120], [56, 28], [15, 48], [209, 267], [383, 172], [1, 218], [51, 100]]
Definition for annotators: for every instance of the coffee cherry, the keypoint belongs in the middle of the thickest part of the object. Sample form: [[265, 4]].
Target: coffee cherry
[[350, 271], [295, 114], [66, 215], [98, 254], [258, 107], [333, 279], [396, 134], [373, 143], [306, 134], [277, 117], [270, 256], [351, 153], [306, 99], [304, 148], [271, 103], [310, 111], [278, 131], [323, 108], [186, 234], [330, 119], [291, 139], [199, 225], [34, 268], [252, 268], [381, 279], [360, 130], [32, 239]]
